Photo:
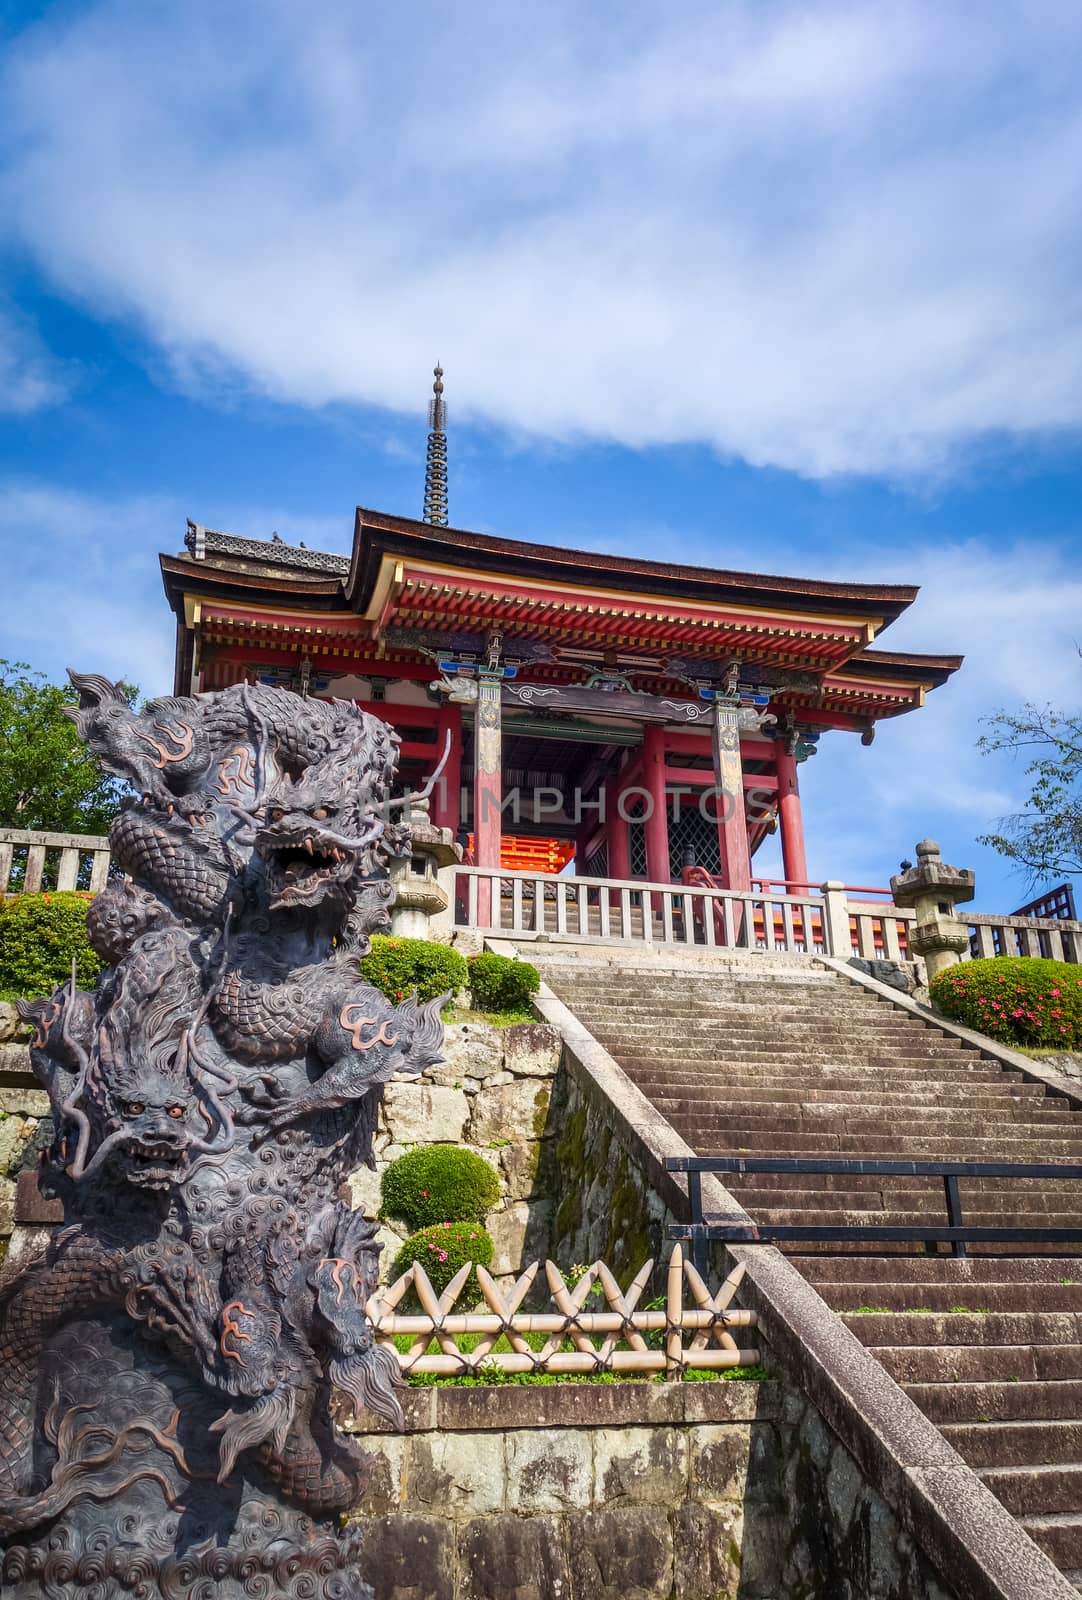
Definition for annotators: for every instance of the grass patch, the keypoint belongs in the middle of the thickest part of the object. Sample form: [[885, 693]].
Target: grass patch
[[495, 1378], [498, 1019]]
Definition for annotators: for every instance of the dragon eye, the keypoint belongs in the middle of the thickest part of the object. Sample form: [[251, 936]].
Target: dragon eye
[[320, 813], [135, 1108], [275, 814], [174, 1111]]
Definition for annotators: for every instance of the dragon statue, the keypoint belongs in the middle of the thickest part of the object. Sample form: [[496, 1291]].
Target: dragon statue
[[172, 1366]]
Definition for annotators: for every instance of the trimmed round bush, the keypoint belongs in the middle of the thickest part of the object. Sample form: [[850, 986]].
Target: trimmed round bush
[[439, 1183], [39, 935], [499, 983], [1021, 1000], [398, 966], [443, 1249]]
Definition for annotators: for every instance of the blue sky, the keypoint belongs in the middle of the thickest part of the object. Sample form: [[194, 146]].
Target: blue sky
[[785, 287]]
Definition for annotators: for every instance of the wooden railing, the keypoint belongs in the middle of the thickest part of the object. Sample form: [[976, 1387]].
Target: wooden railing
[[527, 904], [30, 861], [669, 1339], [1055, 938]]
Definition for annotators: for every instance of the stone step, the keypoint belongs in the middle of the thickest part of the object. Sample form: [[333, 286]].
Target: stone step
[[897, 1328], [950, 1364], [1036, 1490], [992, 1216], [953, 1298], [1030, 1210], [1029, 1097], [866, 1183], [1016, 1444], [719, 1113], [884, 1146], [841, 1269], [707, 984], [1059, 1535], [830, 1068], [674, 1051], [1048, 1401], [795, 1024], [852, 1078], [826, 1008], [799, 1249]]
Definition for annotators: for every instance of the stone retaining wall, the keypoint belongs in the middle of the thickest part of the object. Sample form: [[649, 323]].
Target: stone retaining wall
[[627, 1491], [22, 1105], [491, 1095]]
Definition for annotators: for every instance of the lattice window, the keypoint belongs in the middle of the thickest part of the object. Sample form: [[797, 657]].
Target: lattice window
[[636, 848], [701, 833], [597, 865]]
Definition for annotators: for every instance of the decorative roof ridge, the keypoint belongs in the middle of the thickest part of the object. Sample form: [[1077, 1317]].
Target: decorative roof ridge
[[208, 541]]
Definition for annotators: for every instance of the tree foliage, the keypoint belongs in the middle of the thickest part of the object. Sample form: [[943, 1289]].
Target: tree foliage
[[48, 779], [1045, 837]]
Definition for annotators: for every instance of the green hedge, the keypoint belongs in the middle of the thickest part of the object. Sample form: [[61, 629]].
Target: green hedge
[[499, 983], [1022, 1000], [439, 1183], [39, 935], [442, 1250], [398, 966]]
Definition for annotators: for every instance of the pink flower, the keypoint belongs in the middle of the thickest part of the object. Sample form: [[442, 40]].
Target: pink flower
[[1054, 992], [1017, 1013]]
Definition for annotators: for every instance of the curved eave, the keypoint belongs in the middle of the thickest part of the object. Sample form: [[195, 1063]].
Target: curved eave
[[379, 537], [183, 578], [932, 671]]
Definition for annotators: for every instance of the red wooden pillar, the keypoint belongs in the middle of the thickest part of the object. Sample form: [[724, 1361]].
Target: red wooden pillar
[[446, 801], [657, 820], [619, 853], [729, 782], [487, 788], [795, 864]]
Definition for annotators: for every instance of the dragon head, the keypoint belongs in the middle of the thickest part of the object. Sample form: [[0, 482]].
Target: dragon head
[[324, 828], [138, 1104], [306, 860], [151, 1112]]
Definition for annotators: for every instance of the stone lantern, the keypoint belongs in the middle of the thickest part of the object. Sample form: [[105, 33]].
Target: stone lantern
[[422, 885], [933, 889]]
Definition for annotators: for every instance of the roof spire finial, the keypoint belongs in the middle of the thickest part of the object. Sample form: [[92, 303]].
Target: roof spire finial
[[436, 459]]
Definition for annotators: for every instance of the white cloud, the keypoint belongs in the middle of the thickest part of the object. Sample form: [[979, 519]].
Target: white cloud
[[838, 238], [81, 581], [29, 379]]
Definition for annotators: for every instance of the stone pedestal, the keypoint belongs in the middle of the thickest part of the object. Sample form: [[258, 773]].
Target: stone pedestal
[[933, 889]]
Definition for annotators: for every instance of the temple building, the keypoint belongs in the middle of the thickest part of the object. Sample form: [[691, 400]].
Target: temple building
[[623, 716]]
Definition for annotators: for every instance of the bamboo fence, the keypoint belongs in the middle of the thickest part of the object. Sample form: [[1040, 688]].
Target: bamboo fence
[[694, 1336]]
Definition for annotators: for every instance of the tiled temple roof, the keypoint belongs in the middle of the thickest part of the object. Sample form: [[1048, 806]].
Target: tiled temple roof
[[207, 542]]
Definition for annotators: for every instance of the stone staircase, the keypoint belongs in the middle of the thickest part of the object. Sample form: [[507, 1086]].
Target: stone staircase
[[782, 1056]]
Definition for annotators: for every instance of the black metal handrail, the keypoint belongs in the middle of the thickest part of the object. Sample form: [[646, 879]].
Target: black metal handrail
[[958, 1235]]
